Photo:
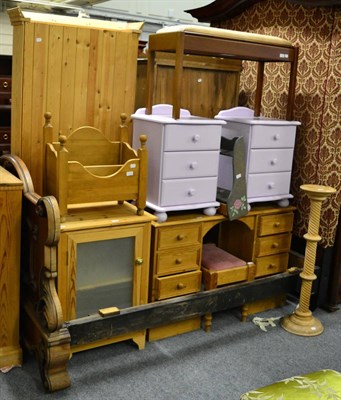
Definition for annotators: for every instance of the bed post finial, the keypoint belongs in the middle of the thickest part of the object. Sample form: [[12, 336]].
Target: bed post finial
[[143, 156], [143, 141], [124, 128], [48, 128], [62, 176], [47, 138], [62, 140], [48, 117], [123, 117]]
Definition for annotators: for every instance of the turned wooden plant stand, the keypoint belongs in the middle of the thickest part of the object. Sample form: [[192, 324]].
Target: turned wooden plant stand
[[302, 322]]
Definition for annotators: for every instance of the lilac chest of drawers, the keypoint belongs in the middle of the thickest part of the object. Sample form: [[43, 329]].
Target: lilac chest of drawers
[[183, 160], [269, 149]]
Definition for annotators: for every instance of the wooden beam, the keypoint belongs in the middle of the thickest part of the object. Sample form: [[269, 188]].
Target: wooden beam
[[94, 327]]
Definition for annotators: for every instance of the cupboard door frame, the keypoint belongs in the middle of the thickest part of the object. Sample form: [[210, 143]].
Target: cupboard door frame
[[67, 254]]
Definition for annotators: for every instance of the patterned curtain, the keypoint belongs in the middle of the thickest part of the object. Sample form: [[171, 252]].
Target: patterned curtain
[[317, 157]]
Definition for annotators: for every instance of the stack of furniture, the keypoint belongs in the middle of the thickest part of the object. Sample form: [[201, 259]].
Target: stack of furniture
[[79, 253], [94, 190], [180, 42], [214, 42]]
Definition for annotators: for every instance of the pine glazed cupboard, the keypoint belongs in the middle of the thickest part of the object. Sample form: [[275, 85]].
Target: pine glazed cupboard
[[103, 263]]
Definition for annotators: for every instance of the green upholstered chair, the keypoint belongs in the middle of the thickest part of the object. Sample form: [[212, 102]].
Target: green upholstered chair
[[319, 385]]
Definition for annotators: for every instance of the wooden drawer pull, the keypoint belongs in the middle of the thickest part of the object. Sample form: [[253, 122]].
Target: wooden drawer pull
[[180, 237], [178, 261], [275, 245], [180, 286], [272, 266], [277, 224]]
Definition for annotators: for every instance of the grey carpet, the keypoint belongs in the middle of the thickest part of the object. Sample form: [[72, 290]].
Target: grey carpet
[[233, 358]]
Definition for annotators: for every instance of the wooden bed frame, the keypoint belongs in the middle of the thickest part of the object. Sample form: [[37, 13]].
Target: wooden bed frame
[[50, 337], [216, 42]]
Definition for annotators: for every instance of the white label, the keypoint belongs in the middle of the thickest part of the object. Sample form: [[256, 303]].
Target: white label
[[39, 39], [132, 166], [130, 173], [238, 176], [283, 55]]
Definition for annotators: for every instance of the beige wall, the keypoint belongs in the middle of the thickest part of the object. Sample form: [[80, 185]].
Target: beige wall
[[155, 13], [6, 34]]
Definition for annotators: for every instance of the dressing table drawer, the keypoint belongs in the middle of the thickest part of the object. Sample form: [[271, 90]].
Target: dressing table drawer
[[277, 223], [175, 236], [178, 260], [271, 264], [178, 285], [273, 244]]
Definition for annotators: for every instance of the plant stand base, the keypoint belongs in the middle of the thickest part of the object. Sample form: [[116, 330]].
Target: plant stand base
[[302, 326]]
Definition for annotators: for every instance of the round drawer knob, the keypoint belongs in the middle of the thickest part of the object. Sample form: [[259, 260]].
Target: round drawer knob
[[272, 266], [191, 192], [193, 165], [277, 136], [178, 261], [277, 224], [275, 245], [196, 138], [271, 185], [5, 84], [180, 237], [5, 136], [273, 161], [180, 286]]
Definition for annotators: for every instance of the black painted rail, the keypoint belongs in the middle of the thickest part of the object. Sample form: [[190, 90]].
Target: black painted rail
[[95, 327]]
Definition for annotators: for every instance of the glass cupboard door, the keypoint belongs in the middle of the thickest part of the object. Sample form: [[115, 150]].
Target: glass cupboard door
[[103, 270]]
